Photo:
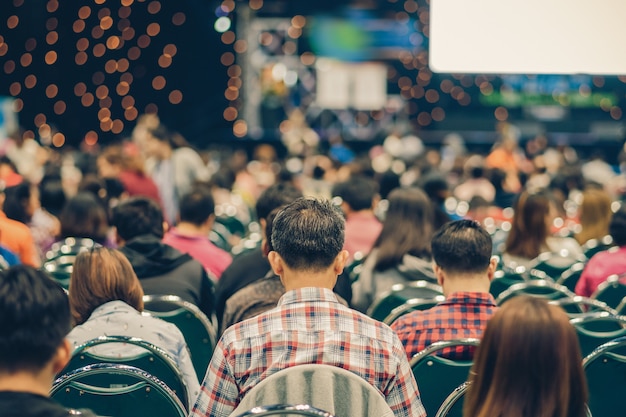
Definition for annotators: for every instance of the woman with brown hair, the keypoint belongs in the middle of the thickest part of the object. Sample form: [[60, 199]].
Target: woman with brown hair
[[530, 233], [106, 299], [595, 215], [528, 364]]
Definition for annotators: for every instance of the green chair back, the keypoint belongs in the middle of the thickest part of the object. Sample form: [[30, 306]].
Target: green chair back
[[536, 288], [595, 330], [438, 376], [553, 264], [399, 294], [150, 359], [452, 406], [286, 411], [605, 370], [579, 306], [116, 390], [413, 304], [198, 330], [59, 259], [612, 291], [505, 278], [571, 275], [593, 246]]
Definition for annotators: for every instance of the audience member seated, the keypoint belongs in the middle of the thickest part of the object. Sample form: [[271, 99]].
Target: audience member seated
[[117, 162], [519, 370], [162, 270], [475, 184], [401, 252], [35, 319], [309, 325], [16, 237], [606, 263], [594, 215], [530, 231], [464, 269], [106, 300], [85, 217], [191, 234], [358, 197], [252, 265]]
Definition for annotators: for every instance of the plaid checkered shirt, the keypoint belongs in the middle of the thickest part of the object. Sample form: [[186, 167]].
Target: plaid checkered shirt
[[308, 326], [462, 315]]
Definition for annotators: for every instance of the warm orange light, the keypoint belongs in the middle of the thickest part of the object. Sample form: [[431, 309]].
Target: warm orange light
[[87, 99], [165, 61], [97, 78], [15, 88], [80, 89], [52, 90], [122, 88], [40, 119], [60, 107], [12, 22], [230, 114], [80, 58], [84, 12], [18, 105], [106, 22], [30, 81], [117, 126], [128, 102], [158, 82], [51, 57], [176, 96], [170, 50], [153, 29], [78, 26], [9, 66], [240, 129], [58, 140], [130, 114], [113, 42], [26, 59], [143, 41], [99, 50], [102, 92], [82, 44], [30, 44], [128, 33], [179, 18], [134, 53], [154, 7]]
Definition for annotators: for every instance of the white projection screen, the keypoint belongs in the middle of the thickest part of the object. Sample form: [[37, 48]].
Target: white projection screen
[[528, 36]]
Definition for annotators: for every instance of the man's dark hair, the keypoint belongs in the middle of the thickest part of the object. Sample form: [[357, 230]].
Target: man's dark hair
[[275, 196], [308, 234], [197, 206], [358, 192], [34, 318], [138, 216], [617, 226], [462, 246]]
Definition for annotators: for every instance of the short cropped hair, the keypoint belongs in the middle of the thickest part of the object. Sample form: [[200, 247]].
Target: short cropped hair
[[99, 276], [358, 192], [197, 206], [462, 246], [34, 318], [308, 234], [275, 196], [137, 216]]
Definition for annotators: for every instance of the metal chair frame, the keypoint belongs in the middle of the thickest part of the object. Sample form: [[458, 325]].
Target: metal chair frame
[[286, 409]]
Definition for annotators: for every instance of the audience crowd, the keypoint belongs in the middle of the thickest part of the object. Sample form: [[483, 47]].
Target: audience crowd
[[287, 255]]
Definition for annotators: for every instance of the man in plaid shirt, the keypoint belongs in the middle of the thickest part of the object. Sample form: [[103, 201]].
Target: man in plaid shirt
[[309, 325], [464, 268]]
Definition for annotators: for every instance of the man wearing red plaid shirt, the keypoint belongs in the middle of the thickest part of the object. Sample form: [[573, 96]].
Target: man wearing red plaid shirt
[[464, 268], [309, 325]]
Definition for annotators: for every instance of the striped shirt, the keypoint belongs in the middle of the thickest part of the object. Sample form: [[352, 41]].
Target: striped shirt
[[308, 326]]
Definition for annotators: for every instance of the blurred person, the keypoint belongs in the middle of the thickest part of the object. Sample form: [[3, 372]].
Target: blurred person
[[174, 167], [35, 320], [308, 255], [606, 263], [508, 156], [464, 268], [106, 300], [594, 215], [475, 183], [15, 236], [597, 170], [530, 233], [436, 188], [401, 252], [161, 269], [191, 234], [85, 217], [8, 172], [359, 196], [519, 370], [117, 162], [28, 156]]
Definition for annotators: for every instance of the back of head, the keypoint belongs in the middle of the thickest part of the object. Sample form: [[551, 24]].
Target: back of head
[[308, 234], [84, 216], [197, 206], [17, 202], [595, 214], [407, 229], [357, 192], [275, 196], [528, 364], [137, 216], [462, 246], [529, 229], [99, 276], [52, 196], [617, 226], [34, 318]]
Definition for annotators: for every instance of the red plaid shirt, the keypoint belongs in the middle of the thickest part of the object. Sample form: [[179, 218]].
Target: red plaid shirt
[[462, 315], [308, 326]]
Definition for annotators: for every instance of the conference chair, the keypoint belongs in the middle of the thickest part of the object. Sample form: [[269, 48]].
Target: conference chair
[[286, 410], [384, 304], [438, 376], [412, 304], [137, 353], [571, 275], [553, 264], [452, 406], [536, 288], [611, 291], [579, 306], [593, 246], [334, 389], [59, 259], [594, 330], [116, 390], [198, 330], [605, 369]]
